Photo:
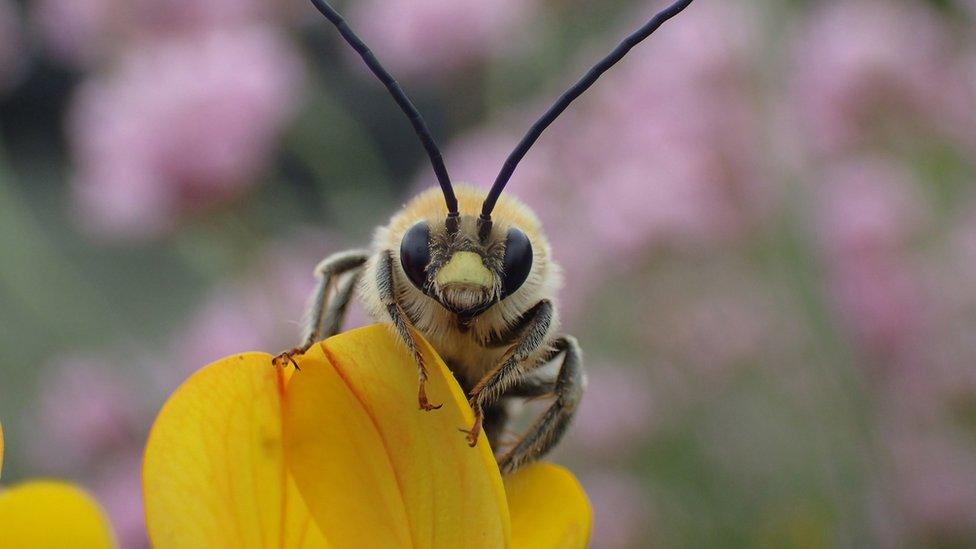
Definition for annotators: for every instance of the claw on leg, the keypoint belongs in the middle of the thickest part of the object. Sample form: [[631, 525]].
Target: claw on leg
[[475, 430], [288, 356], [425, 404]]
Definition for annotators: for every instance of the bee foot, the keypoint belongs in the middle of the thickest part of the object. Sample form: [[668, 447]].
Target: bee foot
[[425, 404], [472, 433], [288, 356]]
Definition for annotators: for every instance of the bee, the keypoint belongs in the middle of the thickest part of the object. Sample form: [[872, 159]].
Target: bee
[[473, 272]]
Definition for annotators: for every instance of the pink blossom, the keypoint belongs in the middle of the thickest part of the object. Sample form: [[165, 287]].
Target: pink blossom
[[232, 320], [705, 322], [868, 204], [83, 32], [724, 326], [179, 125], [431, 38], [617, 413], [184, 15], [87, 409], [868, 210], [880, 301], [666, 152], [866, 67], [118, 489]]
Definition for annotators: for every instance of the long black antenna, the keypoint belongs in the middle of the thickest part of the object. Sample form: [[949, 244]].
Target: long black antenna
[[419, 126], [564, 101]]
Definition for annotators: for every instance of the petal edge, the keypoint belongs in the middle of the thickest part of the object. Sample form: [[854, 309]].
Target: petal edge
[[213, 470], [550, 491], [49, 514]]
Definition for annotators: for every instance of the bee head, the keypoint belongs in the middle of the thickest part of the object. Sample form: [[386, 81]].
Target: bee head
[[466, 266]]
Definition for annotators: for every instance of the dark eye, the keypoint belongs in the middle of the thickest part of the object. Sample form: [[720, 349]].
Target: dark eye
[[415, 254], [518, 260]]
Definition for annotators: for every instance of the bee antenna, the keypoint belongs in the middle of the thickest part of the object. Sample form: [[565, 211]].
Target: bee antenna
[[419, 126], [564, 101]]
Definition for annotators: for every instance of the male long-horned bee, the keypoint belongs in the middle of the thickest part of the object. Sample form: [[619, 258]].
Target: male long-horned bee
[[472, 272]]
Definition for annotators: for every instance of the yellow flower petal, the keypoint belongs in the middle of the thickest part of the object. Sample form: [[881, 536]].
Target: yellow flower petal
[[48, 514], [549, 508], [213, 472], [376, 470]]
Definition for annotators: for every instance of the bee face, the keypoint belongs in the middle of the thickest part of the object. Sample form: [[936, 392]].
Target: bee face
[[464, 271]]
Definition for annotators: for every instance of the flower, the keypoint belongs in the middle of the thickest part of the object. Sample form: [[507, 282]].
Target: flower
[[338, 451], [178, 125], [86, 412], [86, 32], [46, 513], [618, 413], [118, 488], [426, 39], [866, 71], [867, 213], [90, 426]]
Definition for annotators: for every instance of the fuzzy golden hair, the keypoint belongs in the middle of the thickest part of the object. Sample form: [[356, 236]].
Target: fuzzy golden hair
[[439, 326]]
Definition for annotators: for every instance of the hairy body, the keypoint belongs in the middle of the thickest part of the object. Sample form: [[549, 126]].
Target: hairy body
[[471, 348], [493, 334]]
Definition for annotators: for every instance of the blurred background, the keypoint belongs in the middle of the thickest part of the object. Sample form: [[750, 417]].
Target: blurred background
[[766, 216]]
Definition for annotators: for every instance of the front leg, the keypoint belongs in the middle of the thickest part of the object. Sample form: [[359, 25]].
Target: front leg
[[322, 318], [327, 272], [336, 313], [514, 364], [387, 290]]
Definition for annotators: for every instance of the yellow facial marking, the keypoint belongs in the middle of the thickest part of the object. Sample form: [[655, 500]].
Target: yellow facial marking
[[465, 268]]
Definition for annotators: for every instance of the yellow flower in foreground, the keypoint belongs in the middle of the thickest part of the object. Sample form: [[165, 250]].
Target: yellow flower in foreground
[[248, 455], [48, 514]]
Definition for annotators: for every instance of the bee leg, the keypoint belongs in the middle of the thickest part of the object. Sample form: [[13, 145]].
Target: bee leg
[[499, 380], [387, 291], [496, 418], [336, 312], [550, 428], [327, 272]]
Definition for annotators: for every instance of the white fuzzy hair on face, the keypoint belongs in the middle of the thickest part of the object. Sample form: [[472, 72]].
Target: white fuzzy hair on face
[[463, 348]]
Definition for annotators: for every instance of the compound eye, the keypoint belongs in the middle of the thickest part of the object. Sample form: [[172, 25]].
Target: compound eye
[[518, 260], [415, 254]]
